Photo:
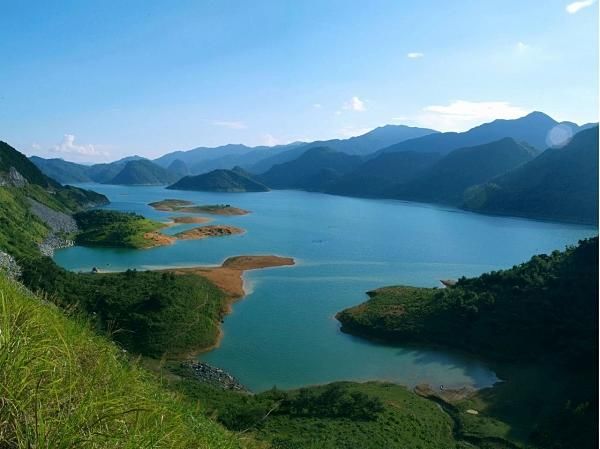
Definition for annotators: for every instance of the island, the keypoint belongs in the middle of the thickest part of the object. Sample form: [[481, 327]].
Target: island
[[203, 232], [175, 205], [189, 220], [221, 180], [118, 230], [170, 205], [113, 229]]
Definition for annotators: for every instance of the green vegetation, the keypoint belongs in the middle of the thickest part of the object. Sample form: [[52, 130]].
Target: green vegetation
[[236, 180], [562, 183], [114, 229], [342, 415], [149, 313], [63, 386], [129, 171], [446, 180], [142, 172], [170, 205], [314, 170], [11, 158], [61, 170], [20, 230], [540, 315]]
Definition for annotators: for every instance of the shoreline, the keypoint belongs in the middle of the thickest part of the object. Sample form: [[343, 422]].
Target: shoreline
[[229, 279]]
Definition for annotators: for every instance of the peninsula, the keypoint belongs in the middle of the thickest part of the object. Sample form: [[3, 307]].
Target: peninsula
[[229, 276]]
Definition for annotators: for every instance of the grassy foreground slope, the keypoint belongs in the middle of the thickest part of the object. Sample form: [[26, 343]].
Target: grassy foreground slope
[[63, 386]]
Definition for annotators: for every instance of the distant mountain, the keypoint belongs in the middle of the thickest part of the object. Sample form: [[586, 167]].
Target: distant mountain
[[313, 170], [447, 179], [260, 159], [375, 177], [560, 184], [533, 129], [62, 171], [178, 168], [131, 170], [142, 172], [236, 180], [364, 144], [105, 173], [203, 159]]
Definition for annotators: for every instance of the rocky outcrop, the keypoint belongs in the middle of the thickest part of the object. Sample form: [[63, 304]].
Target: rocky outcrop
[[8, 266], [57, 221], [52, 243], [13, 179], [60, 224], [204, 372]]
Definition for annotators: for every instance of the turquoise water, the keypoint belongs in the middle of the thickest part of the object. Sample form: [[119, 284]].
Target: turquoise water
[[283, 332]]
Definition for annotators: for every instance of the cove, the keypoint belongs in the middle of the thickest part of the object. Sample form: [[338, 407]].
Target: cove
[[283, 332]]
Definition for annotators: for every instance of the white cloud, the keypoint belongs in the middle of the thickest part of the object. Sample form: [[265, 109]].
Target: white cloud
[[522, 47], [230, 124], [317, 106], [414, 55], [269, 140], [355, 104], [69, 147], [575, 7], [461, 115]]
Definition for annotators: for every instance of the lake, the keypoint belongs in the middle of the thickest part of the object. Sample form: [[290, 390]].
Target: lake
[[283, 332]]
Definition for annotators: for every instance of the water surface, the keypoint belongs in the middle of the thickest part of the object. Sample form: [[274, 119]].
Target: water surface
[[283, 332]]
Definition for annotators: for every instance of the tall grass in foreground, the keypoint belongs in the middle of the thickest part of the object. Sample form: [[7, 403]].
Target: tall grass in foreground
[[61, 386]]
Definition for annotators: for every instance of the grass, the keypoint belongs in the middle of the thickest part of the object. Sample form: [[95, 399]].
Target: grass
[[115, 229], [407, 420], [20, 230], [62, 386]]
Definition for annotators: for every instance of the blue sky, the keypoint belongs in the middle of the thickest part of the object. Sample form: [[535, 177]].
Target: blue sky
[[98, 80]]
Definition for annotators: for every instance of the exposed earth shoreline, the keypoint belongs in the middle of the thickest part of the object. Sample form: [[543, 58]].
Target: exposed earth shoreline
[[229, 279]]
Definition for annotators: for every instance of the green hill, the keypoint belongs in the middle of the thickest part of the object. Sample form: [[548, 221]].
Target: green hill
[[447, 179], [178, 169], [375, 177], [539, 318], [560, 184], [305, 171], [61, 170], [235, 180], [21, 182], [142, 172]]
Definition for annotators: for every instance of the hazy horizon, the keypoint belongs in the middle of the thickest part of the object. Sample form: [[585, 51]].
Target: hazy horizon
[[58, 156]]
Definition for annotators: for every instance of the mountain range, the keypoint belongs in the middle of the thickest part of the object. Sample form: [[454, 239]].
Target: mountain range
[[476, 169]]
